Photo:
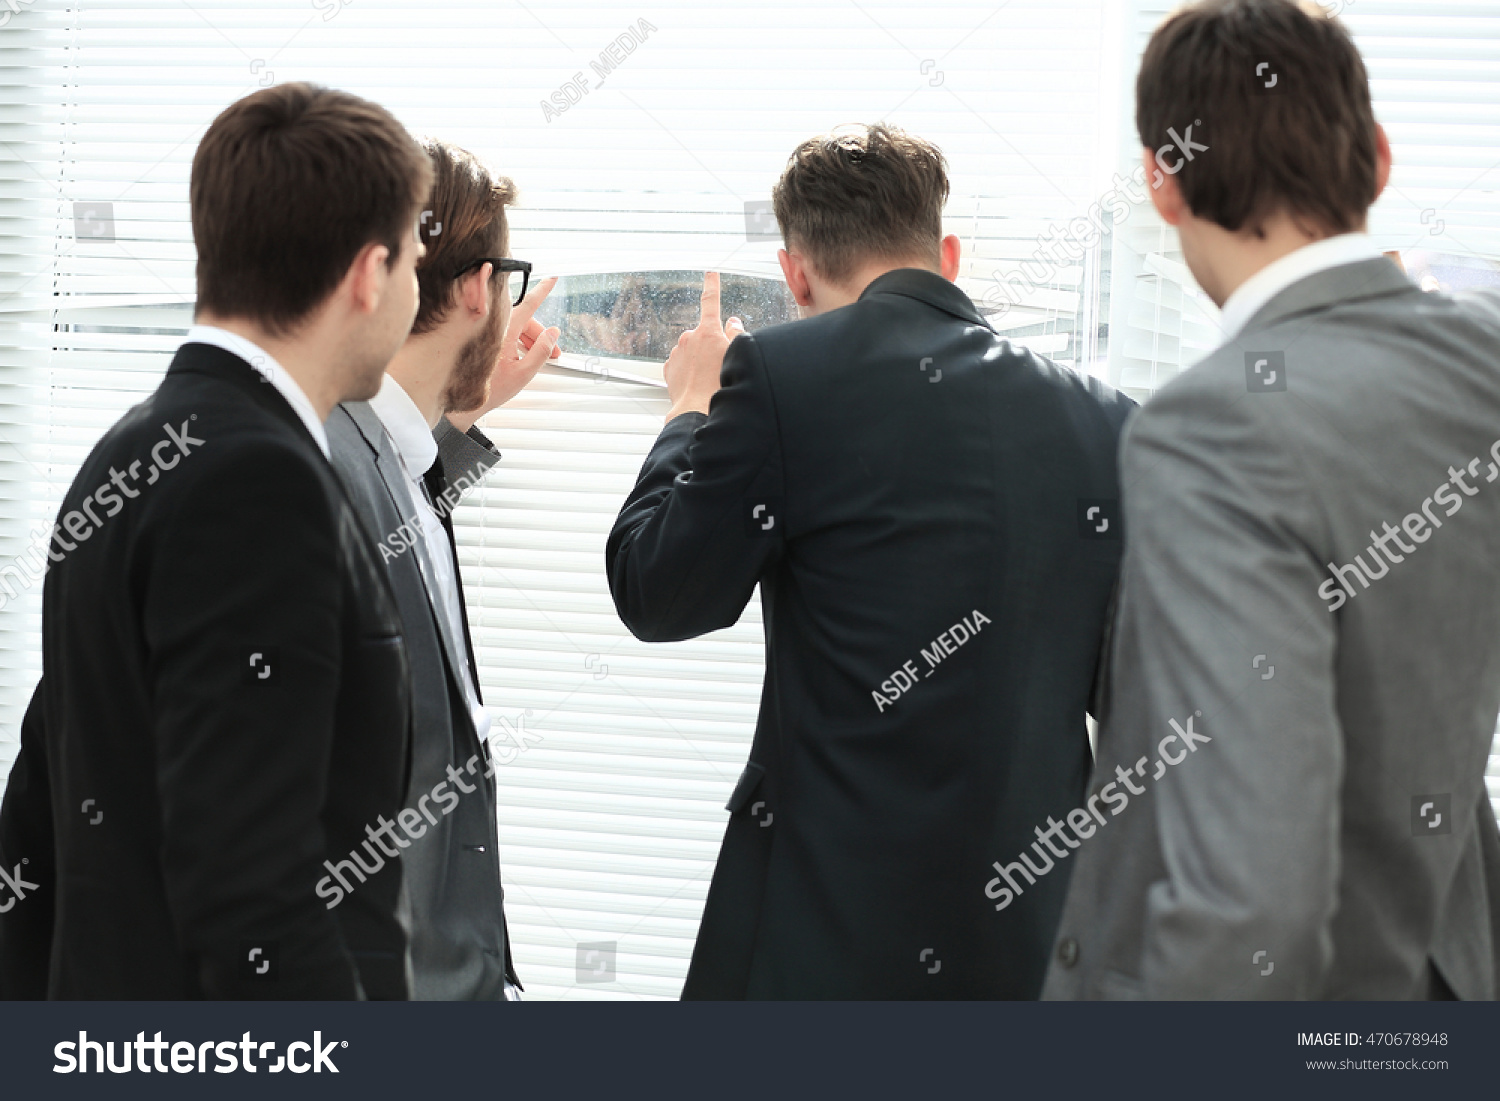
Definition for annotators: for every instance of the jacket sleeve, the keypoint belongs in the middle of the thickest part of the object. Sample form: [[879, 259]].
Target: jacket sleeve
[[708, 513], [27, 854], [1224, 689], [247, 564], [466, 455]]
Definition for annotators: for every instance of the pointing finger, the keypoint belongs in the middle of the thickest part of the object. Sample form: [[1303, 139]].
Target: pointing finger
[[533, 300], [709, 314]]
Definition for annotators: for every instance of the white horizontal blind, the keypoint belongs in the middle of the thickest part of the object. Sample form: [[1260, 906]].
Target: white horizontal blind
[[1160, 322], [1435, 80], [610, 820], [27, 207], [612, 814]]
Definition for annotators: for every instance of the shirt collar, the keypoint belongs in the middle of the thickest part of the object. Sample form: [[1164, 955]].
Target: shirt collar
[[273, 372], [1275, 277], [406, 426]]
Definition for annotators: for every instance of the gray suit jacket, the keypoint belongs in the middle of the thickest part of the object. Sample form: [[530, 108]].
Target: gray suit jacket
[[1289, 796], [459, 944]]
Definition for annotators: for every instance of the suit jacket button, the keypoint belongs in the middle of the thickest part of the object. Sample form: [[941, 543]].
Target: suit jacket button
[[1067, 952]]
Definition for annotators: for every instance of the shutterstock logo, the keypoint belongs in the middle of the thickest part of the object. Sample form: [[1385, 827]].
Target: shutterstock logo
[[1265, 372], [187, 1057], [1432, 815], [1099, 518]]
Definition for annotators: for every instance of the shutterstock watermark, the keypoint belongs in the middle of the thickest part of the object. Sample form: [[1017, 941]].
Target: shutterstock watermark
[[413, 822], [186, 1057], [94, 221], [1086, 819], [28, 567], [1062, 246], [330, 8], [18, 886], [12, 7], [1417, 526], [595, 961]]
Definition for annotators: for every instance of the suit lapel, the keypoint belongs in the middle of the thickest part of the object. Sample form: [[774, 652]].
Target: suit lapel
[[393, 477]]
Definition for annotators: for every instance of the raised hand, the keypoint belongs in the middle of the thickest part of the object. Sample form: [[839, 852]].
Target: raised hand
[[526, 347], [692, 370]]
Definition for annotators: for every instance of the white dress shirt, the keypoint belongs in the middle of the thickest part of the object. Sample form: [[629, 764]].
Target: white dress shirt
[[1277, 276], [417, 450], [269, 369]]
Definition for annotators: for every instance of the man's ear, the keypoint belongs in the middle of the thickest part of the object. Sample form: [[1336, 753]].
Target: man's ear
[[1162, 187], [1382, 159], [367, 277], [474, 293], [950, 257], [795, 273]]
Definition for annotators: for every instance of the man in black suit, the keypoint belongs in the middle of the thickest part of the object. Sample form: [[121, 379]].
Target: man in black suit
[[932, 516], [406, 465], [223, 709]]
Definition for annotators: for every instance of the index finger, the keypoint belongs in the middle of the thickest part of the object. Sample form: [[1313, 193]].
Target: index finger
[[534, 298], [709, 312]]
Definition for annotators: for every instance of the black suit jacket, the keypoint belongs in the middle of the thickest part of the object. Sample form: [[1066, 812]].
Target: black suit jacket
[[885, 472], [223, 709]]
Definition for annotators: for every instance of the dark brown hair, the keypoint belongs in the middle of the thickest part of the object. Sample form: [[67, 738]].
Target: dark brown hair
[[1281, 98], [463, 220], [288, 185], [871, 193]]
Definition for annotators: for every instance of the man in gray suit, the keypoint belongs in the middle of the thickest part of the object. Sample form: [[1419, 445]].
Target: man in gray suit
[[1306, 656], [406, 456]]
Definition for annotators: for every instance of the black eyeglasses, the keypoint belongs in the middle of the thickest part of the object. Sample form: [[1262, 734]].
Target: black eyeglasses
[[502, 264]]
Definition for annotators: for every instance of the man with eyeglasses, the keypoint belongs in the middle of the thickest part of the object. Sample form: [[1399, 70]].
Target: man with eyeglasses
[[406, 456]]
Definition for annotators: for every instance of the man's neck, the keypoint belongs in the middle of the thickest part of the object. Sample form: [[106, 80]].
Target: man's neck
[[301, 357], [1228, 260], [832, 296], [423, 367]]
